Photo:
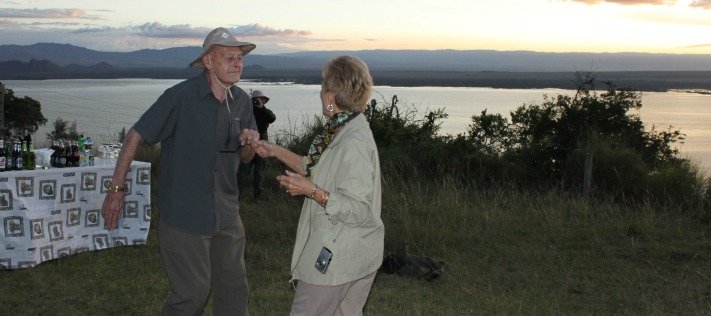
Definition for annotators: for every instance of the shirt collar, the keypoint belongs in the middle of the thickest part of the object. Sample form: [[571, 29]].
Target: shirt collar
[[204, 84], [205, 89], [355, 124]]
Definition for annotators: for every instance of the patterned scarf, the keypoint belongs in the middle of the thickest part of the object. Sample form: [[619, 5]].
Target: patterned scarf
[[322, 140]]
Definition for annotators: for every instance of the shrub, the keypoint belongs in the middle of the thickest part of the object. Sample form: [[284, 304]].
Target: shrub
[[22, 115], [678, 183], [618, 172]]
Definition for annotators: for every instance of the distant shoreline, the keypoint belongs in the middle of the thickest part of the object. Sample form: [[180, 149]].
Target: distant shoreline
[[653, 81]]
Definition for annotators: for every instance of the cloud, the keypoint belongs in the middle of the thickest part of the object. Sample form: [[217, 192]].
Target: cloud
[[45, 14], [699, 46], [704, 4], [628, 2], [95, 29], [250, 30], [186, 31], [8, 23], [158, 30], [153, 35]]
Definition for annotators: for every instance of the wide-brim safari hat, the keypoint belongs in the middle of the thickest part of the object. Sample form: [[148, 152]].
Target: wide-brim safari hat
[[220, 36]]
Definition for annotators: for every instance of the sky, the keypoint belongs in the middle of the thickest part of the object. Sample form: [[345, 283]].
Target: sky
[[651, 26]]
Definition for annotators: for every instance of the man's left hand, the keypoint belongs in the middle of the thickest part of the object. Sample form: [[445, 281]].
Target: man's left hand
[[248, 137]]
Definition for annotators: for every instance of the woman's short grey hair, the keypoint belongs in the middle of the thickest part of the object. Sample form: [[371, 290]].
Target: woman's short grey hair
[[349, 79]]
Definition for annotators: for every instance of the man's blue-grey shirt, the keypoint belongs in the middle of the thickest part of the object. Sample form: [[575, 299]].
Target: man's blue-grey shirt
[[199, 136]]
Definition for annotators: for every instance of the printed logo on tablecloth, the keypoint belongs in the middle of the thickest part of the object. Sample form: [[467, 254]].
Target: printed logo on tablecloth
[[5, 263], [46, 253], [48, 189], [120, 241], [73, 216], [68, 192], [88, 181], [143, 175], [37, 228], [26, 264], [25, 186], [146, 212], [130, 209], [92, 218], [5, 199], [129, 186], [63, 252], [14, 226], [55, 231], [100, 241], [81, 249], [105, 182], [139, 241]]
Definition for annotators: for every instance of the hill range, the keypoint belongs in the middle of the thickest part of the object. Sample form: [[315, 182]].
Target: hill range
[[482, 68]]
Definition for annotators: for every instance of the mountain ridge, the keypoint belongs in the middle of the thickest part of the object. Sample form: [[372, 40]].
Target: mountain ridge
[[453, 68], [377, 59]]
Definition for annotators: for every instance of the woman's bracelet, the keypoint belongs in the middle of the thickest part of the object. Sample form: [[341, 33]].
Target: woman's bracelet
[[324, 199], [313, 193]]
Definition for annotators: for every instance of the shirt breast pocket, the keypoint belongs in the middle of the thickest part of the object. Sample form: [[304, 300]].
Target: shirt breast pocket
[[229, 140]]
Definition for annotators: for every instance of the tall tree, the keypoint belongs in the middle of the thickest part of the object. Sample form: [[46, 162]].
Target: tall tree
[[22, 115], [63, 130]]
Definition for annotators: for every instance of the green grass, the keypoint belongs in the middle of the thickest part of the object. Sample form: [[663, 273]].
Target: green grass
[[506, 252]]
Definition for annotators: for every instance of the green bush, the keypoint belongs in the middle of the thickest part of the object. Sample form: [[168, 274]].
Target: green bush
[[542, 146], [617, 172], [678, 183]]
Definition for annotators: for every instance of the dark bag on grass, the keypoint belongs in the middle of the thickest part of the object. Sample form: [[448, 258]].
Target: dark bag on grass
[[422, 268]]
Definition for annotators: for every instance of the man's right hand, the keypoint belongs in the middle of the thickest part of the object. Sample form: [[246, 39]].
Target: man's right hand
[[111, 210]]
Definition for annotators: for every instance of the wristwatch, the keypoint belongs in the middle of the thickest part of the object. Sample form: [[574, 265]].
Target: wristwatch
[[112, 188]]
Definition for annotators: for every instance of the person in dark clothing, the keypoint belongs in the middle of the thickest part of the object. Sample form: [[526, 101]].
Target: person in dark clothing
[[263, 118]]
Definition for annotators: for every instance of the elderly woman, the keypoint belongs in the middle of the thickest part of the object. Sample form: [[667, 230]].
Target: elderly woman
[[339, 239]]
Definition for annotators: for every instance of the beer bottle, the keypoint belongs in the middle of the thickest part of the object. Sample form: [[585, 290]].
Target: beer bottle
[[19, 153], [68, 154], [82, 152], [89, 147], [53, 156], [25, 154], [62, 156], [9, 155], [3, 162], [76, 156], [30, 162]]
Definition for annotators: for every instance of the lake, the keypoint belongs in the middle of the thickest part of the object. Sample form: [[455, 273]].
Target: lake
[[101, 107]]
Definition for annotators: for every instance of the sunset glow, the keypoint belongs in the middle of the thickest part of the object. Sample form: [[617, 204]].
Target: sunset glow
[[654, 26]]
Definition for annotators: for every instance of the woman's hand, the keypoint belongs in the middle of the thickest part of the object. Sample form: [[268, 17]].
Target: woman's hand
[[265, 148], [295, 184]]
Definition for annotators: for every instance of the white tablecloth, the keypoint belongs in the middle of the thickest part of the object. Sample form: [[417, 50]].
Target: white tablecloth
[[50, 213]]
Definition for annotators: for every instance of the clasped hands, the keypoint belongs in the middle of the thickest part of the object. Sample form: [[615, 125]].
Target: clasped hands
[[249, 137], [263, 148]]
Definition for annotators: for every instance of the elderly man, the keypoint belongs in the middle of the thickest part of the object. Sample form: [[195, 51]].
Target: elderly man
[[204, 125]]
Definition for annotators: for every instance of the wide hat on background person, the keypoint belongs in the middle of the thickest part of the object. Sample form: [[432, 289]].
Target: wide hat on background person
[[220, 36], [260, 94]]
